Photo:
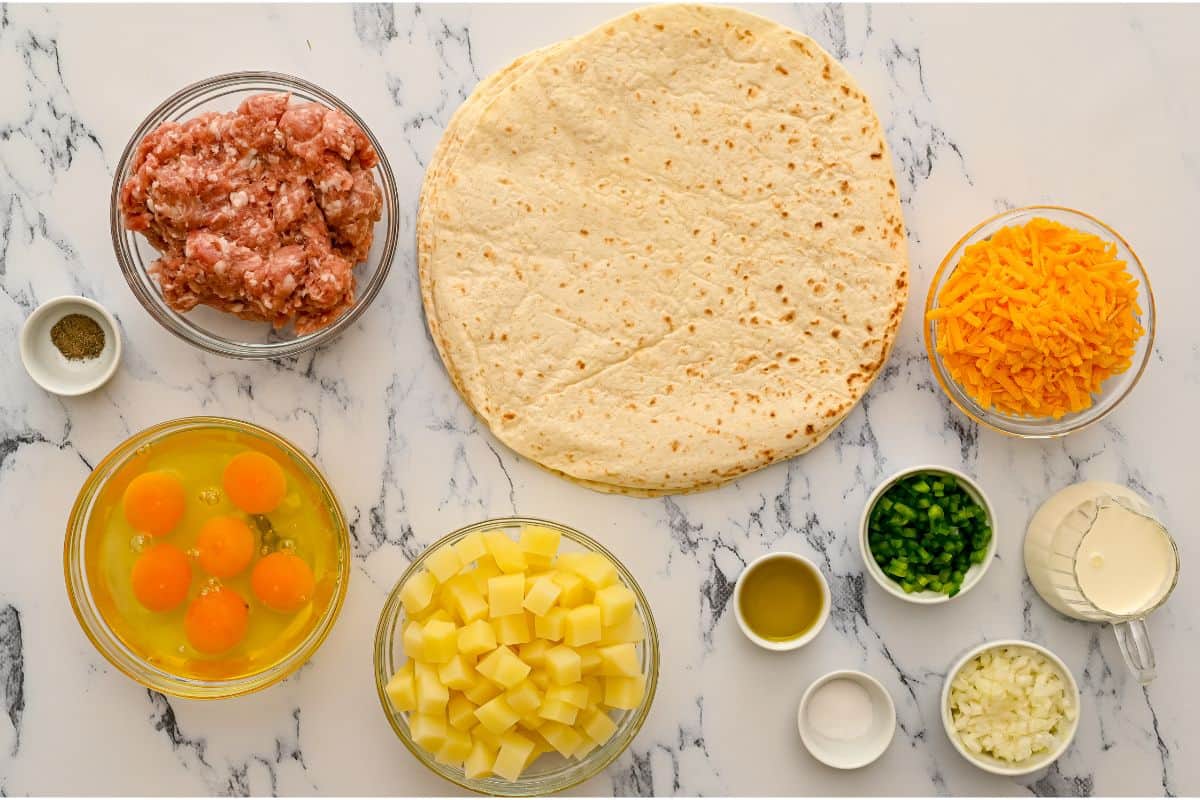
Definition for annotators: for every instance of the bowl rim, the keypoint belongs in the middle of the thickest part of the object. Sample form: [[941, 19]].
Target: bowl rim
[[789, 644], [1150, 322], [927, 596], [155, 678], [392, 611], [139, 280], [26, 346], [861, 678], [1041, 761]]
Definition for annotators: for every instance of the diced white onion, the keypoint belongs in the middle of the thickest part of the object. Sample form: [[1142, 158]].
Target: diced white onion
[[1010, 703]]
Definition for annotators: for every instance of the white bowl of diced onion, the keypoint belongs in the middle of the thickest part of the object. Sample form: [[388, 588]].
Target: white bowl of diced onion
[[1010, 707]]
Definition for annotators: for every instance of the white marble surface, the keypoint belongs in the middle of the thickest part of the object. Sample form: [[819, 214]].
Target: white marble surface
[[985, 107]]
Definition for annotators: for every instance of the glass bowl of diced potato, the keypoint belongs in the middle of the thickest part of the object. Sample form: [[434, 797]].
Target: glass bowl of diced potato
[[516, 657]]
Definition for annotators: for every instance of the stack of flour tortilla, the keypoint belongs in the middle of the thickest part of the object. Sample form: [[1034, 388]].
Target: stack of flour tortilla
[[665, 253]]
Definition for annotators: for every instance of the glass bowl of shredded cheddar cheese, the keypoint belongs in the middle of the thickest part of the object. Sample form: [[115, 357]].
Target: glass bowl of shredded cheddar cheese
[[1039, 321]]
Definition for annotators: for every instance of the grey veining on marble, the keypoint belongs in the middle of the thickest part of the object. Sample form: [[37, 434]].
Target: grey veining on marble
[[986, 107]]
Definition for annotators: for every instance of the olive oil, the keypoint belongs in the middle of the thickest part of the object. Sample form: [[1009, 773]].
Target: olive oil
[[781, 598]]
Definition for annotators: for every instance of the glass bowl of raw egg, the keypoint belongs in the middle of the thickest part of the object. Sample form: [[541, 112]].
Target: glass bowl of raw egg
[[206, 557]]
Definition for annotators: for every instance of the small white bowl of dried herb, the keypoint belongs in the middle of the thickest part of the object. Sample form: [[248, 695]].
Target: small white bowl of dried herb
[[70, 345], [928, 534]]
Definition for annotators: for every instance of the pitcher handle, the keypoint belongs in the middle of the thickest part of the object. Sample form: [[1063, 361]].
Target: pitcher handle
[[1134, 641]]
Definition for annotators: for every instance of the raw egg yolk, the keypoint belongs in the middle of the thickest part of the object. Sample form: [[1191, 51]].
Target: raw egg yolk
[[154, 502], [216, 620], [254, 482], [161, 576], [226, 546], [282, 582]]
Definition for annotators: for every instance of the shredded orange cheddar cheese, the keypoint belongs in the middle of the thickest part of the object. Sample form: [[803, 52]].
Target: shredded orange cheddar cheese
[[1036, 317]]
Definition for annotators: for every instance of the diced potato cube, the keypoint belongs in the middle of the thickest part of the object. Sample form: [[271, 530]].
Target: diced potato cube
[[439, 641], [535, 561], [470, 548], [413, 641], [598, 725], [472, 606], [505, 594], [503, 667], [585, 746], [417, 592], [484, 735], [569, 561], [534, 653], [496, 715], [428, 730], [513, 629], [616, 604], [596, 570], [432, 695], [624, 693], [515, 749], [532, 721], [573, 694], [401, 690], [485, 569], [589, 659], [582, 626], [563, 739], [620, 660], [595, 687], [542, 596], [631, 630], [563, 666], [532, 576], [440, 614], [574, 591], [558, 711], [505, 551], [481, 758], [482, 691], [478, 637], [540, 678], [443, 563], [458, 672], [524, 697], [540, 745], [540, 540], [461, 712], [552, 625], [460, 593], [455, 749]]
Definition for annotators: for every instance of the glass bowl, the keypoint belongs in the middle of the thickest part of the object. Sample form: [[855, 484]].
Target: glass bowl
[[217, 331], [551, 772], [1113, 390], [109, 643]]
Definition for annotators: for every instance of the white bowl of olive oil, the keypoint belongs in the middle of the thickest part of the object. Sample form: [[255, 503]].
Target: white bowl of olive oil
[[781, 601]]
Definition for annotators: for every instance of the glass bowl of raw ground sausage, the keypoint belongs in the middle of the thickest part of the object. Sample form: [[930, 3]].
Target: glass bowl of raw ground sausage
[[220, 331]]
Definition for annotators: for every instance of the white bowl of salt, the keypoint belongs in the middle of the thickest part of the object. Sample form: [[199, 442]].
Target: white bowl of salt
[[846, 719]]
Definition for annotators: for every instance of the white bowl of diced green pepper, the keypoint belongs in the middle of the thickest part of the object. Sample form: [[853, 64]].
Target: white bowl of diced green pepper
[[928, 534]]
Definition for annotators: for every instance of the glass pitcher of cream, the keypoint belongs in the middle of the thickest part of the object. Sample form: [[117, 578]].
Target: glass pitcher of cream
[[1095, 551]]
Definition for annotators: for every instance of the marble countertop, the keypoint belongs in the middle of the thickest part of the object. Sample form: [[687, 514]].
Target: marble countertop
[[985, 107]]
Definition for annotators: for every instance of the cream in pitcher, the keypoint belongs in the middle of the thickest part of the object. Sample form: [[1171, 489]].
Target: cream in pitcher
[[1095, 551]]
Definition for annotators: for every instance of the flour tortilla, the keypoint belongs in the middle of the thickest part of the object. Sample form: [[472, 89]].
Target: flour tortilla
[[665, 253]]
